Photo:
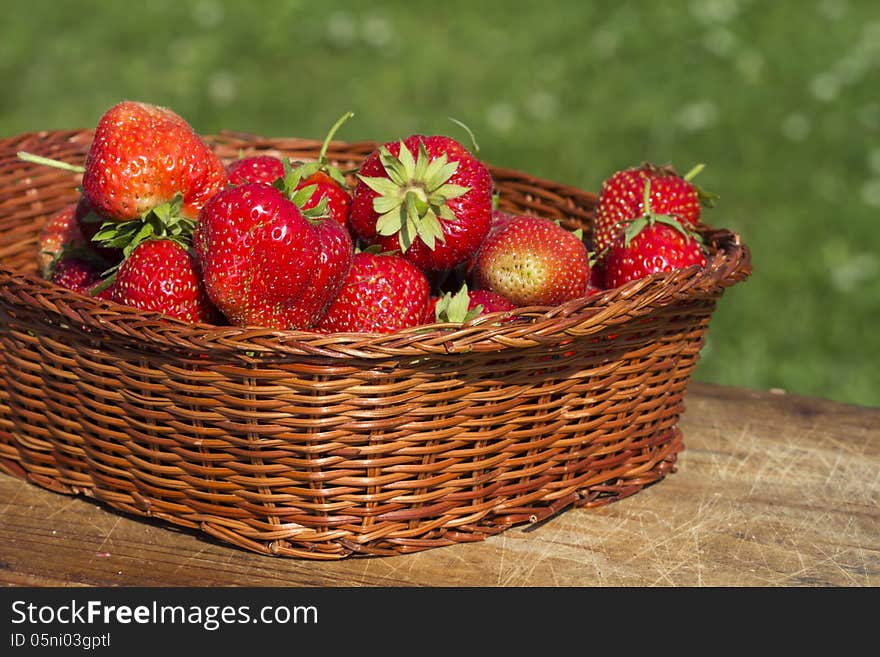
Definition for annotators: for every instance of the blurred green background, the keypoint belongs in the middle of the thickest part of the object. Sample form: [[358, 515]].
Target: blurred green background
[[779, 98]]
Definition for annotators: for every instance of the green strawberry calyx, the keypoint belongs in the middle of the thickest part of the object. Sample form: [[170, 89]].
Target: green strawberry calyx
[[288, 185], [413, 198], [308, 169], [453, 307], [650, 217], [707, 199], [165, 221]]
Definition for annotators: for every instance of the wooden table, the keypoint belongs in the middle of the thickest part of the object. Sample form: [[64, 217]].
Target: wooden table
[[772, 489]]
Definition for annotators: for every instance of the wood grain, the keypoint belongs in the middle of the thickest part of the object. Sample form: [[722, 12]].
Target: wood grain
[[771, 490]]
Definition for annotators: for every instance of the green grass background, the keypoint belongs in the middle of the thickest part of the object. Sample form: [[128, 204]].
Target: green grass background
[[778, 97]]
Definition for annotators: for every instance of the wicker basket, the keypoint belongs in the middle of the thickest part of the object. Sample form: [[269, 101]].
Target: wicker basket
[[319, 446]]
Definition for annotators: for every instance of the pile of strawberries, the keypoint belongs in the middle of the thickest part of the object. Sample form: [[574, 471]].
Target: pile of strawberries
[[163, 225]]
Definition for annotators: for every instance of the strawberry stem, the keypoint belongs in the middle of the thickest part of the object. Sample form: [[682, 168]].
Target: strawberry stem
[[693, 173], [474, 145], [322, 155], [49, 162]]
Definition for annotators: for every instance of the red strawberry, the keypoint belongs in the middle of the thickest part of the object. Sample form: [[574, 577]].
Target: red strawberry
[[328, 180], [60, 232], [383, 293], [597, 275], [451, 307], [337, 197], [622, 199], [141, 157], [265, 262], [335, 255], [255, 168], [491, 302], [163, 276], [657, 247], [80, 275], [533, 261], [429, 197]]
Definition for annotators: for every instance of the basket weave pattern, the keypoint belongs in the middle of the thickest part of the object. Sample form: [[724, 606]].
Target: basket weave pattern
[[309, 445]]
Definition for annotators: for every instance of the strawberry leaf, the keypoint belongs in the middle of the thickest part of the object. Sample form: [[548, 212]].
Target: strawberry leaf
[[634, 228], [383, 204], [382, 186], [447, 192], [302, 195], [390, 222], [672, 222], [453, 307], [430, 230], [393, 166], [407, 162], [421, 166], [439, 171], [447, 214]]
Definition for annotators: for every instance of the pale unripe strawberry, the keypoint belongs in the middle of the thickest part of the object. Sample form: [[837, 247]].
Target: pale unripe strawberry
[[533, 261]]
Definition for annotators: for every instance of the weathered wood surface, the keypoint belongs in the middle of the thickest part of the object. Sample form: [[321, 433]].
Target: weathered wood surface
[[771, 490]]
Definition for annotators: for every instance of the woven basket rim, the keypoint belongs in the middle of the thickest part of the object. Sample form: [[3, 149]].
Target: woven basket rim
[[727, 264]]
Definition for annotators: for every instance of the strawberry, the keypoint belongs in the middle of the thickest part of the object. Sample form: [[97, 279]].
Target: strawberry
[[383, 293], [265, 262], [331, 191], [162, 275], [146, 176], [80, 275], [335, 255], [451, 307], [60, 232], [141, 156], [622, 199], [650, 243], [532, 261], [255, 168], [428, 197], [491, 302], [657, 247], [329, 181]]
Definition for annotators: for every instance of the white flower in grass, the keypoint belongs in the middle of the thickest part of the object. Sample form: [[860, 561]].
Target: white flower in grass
[[501, 117], [869, 116], [750, 64], [208, 13], [222, 88], [796, 127], [832, 9], [848, 269], [606, 41], [874, 161], [825, 86], [720, 41], [860, 269], [542, 105], [698, 115], [714, 11], [871, 193], [377, 31], [341, 30]]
